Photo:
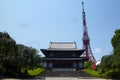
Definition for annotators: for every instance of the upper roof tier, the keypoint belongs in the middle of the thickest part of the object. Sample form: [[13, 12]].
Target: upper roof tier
[[62, 45], [62, 48]]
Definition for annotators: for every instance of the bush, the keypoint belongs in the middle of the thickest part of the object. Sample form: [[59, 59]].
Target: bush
[[112, 74], [93, 72], [35, 72], [87, 65]]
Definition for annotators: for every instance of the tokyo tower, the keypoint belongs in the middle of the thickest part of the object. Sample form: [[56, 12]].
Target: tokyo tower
[[86, 39]]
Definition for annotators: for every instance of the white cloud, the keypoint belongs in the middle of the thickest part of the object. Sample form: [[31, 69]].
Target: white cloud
[[97, 50]]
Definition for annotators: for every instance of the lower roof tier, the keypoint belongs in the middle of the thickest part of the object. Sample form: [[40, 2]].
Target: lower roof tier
[[81, 58], [59, 51]]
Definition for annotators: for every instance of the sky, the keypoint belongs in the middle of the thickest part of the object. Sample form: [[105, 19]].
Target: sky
[[37, 22]]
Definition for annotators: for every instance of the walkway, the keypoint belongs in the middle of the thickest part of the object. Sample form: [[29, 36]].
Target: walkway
[[72, 78], [60, 78]]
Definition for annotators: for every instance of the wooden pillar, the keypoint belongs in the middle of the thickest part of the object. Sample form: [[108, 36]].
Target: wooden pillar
[[44, 64], [50, 65], [81, 65], [74, 65]]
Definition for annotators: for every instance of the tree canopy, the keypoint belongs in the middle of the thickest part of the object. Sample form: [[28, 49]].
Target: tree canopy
[[14, 56], [112, 61], [116, 49], [116, 39], [28, 57]]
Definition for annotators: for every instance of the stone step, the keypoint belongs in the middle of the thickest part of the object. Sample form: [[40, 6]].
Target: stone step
[[77, 73], [64, 69]]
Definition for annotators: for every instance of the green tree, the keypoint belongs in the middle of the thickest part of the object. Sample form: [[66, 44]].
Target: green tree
[[116, 49], [14, 56], [106, 62], [88, 64], [116, 42], [28, 57], [8, 53], [115, 62]]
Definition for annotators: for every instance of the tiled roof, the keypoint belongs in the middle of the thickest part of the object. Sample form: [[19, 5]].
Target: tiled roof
[[62, 45]]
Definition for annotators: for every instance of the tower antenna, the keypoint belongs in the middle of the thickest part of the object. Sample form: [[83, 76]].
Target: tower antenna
[[83, 6]]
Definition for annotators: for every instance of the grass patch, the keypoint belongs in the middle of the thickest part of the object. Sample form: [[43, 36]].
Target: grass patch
[[112, 74], [35, 72], [93, 72], [108, 74]]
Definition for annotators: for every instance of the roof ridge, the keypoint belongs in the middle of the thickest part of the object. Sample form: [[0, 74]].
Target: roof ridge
[[63, 45], [62, 42]]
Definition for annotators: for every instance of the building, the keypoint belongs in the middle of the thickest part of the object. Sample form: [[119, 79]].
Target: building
[[63, 55]]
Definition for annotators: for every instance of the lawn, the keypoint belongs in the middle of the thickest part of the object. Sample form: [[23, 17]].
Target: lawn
[[108, 74], [93, 72], [35, 72]]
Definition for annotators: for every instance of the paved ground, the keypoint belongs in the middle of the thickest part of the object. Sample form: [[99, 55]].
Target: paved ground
[[72, 78], [60, 78]]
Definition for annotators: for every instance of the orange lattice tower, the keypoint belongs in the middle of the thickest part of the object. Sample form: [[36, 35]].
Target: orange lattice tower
[[86, 39]]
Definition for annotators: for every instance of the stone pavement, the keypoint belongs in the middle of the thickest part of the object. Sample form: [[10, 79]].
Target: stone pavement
[[61, 78], [72, 78]]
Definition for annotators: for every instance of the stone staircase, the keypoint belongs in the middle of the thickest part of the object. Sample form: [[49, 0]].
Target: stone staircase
[[63, 69], [49, 73]]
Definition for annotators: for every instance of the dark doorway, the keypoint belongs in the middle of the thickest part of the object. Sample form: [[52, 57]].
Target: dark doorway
[[62, 64]]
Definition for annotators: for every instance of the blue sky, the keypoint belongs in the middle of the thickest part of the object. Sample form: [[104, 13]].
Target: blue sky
[[37, 22]]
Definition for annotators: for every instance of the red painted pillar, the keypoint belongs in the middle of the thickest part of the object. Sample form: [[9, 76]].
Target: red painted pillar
[[94, 66]]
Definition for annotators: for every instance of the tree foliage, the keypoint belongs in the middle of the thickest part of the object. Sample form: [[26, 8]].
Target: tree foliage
[[87, 64], [28, 57], [116, 42], [14, 56], [106, 62], [112, 61], [116, 49], [8, 52]]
